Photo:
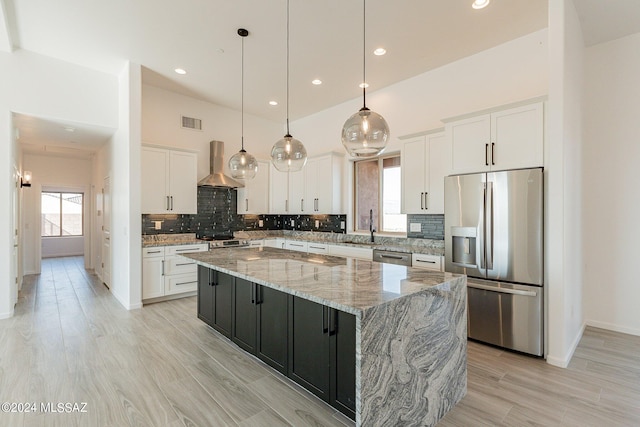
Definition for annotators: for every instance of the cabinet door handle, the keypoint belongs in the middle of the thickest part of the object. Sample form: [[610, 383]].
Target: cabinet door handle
[[171, 202], [247, 202], [325, 321], [253, 293], [333, 321], [426, 206], [421, 200], [486, 154], [493, 153], [260, 295], [302, 205], [163, 267], [167, 202], [286, 205]]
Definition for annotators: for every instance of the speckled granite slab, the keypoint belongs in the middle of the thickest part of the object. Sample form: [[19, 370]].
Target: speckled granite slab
[[411, 325], [150, 240]]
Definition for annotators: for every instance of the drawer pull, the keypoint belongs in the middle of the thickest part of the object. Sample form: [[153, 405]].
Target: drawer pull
[[428, 262], [185, 263], [185, 283]]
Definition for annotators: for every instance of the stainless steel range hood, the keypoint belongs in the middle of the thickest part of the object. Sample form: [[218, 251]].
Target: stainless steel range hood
[[217, 178]]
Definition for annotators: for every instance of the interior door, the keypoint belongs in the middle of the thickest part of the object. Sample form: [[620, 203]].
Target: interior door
[[14, 231], [106, 232]]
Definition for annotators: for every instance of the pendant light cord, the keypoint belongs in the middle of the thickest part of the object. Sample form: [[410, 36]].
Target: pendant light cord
[[364, 54], [288, 134], [242, 93]]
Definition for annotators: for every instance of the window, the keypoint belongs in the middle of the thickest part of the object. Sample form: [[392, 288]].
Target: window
[[61, 214], [378, 187]]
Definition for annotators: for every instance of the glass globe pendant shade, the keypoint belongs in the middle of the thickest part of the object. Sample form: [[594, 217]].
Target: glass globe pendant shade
[[243, 165], [365, 134], [288, 154]]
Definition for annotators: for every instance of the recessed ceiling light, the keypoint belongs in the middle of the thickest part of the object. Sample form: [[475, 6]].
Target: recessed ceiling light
[[180, 71], [380, 51], [316, 82], [69, 129], [273, 102], [364, 85], [479, 4]]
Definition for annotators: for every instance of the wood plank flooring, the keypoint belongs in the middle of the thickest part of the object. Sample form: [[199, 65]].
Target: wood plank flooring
[[71, 341]]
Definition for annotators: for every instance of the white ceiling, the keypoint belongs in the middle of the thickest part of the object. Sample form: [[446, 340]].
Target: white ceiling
[[326, 42]]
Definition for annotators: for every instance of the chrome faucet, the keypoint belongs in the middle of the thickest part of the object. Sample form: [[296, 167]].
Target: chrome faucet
[[371, 229]]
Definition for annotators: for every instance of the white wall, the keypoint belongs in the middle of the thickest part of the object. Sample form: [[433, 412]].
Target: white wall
[[612, 182], [53, 173], [126, 243], [48, 88], [100, 169], [161, 125], [564, 187]]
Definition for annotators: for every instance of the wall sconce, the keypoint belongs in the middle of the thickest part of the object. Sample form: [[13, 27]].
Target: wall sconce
[[25, 179]]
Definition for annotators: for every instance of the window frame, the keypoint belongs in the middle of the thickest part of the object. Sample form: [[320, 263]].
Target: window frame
[[354, 205], [61, 192]]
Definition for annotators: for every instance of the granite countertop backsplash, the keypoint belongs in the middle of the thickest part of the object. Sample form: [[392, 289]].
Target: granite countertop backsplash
[[149, 240]]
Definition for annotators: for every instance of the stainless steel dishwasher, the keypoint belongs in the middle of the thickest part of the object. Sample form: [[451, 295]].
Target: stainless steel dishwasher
[[392, 257]]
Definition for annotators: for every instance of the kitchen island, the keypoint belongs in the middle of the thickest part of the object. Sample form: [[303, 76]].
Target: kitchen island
[[408, 328]]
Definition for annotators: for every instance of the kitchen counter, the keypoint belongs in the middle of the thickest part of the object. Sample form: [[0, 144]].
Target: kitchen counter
[[411, 325], [152, 240]]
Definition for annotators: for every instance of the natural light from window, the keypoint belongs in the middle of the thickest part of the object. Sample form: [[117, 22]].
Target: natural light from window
[[61, 214]]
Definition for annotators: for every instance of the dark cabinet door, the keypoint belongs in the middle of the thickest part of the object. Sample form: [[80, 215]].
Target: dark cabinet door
[[309, 357], [343, 355], [223, 302], [244, 315], [205, 294], [272, 328]]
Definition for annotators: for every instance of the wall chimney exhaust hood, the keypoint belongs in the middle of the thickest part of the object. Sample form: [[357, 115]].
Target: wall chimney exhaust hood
[[217, 178]]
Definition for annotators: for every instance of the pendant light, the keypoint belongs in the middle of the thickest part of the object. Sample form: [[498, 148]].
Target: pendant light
[[288, 154], [366, 133], [242, 164]]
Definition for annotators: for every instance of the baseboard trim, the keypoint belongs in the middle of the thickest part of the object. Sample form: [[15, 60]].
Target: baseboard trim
[[613, 327], [125, 303], [563, 362], [7, 314]]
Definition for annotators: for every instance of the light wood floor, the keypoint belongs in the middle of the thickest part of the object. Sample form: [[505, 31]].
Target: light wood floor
[[71, 341]]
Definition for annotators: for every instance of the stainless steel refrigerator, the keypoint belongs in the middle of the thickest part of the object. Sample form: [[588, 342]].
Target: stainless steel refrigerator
[[494, 235]]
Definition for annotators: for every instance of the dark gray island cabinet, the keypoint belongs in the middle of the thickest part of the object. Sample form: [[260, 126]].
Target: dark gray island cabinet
[[384, 344]]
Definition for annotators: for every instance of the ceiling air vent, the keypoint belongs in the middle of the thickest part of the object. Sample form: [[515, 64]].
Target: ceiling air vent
[[191, 123]]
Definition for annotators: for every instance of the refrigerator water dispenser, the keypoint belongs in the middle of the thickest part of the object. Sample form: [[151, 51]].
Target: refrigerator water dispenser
[[463, 246]]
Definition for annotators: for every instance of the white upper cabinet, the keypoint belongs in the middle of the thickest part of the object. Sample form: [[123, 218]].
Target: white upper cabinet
[[509, 139], [425, 163], [254, 197], [278, 191], [316, 189], [169, 181], [323, 180]]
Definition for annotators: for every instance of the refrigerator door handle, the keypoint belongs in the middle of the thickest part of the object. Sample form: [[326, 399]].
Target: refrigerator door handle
[[481, 246], [489, 226], [502, 290]]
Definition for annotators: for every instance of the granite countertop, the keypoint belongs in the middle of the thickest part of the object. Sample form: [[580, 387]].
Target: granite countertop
[[170, 240], [398, 244], [346, 284]]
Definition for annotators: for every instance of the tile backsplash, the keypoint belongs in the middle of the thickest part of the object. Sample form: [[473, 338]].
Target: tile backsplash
[[217, 215], [431, 226]]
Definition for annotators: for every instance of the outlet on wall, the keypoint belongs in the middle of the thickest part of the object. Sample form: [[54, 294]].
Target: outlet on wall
[[317, 224], [415, 227], [260, 223], [157, 225], [293, 223], [342, 225]]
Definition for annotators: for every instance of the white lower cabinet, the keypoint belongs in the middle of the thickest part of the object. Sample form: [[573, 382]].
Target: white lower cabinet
[[318, 248], [165, 273], [295, 245], [278, 242], [351, 252], [428, 262]]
